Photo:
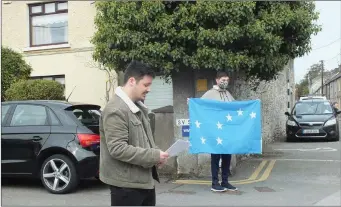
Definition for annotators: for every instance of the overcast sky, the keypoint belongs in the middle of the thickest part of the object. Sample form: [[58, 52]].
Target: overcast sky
[[330, 20]]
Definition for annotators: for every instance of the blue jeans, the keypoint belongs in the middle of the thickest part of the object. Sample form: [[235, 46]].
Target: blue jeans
[[225, 167]]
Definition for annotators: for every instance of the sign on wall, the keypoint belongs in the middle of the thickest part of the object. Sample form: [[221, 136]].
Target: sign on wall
[[201, 85], [185, 131], [182, 122]]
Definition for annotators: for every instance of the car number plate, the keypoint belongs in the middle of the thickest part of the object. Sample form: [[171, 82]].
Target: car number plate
[[310, 131]]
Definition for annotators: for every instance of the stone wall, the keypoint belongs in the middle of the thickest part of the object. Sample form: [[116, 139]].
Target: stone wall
[[274, 97], [183, 88], [163, 130]]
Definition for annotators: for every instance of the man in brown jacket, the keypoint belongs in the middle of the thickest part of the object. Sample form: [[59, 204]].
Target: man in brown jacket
[[128, 154]]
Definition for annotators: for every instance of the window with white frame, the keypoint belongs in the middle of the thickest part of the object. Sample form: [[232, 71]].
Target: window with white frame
[[48, 23], [58, 78]]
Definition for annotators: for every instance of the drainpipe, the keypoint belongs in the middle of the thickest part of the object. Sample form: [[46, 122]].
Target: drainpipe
[[288, 89]]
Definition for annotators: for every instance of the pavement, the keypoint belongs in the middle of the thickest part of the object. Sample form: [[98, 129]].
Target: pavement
[[293, 174]]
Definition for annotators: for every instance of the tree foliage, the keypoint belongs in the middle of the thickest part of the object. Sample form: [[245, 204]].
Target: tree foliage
[[35, 90], [302, 89], [13, 68], [315, 71], [258, 38]]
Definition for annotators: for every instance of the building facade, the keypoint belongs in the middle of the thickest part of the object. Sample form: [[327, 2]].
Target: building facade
[[54, 38], [332, 89]]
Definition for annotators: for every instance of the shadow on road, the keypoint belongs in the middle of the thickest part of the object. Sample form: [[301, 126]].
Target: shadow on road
[[312, 141], [36, 183]]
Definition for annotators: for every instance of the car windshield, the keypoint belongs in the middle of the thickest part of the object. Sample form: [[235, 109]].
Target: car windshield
[[312, 108]]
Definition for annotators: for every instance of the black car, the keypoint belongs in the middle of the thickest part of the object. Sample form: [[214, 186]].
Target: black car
[[312, 118], [55, 141]]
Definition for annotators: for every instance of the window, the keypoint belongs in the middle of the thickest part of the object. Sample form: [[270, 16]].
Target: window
[[4, 111], [29, 115], [58, 78], [313, 108], [48, 23], [87, 115], [54, 119]]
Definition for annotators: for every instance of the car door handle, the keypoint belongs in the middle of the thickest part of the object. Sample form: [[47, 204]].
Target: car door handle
[[36, 138]]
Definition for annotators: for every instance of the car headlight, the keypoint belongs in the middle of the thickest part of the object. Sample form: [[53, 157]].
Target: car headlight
[[330, 122], [291, 123]]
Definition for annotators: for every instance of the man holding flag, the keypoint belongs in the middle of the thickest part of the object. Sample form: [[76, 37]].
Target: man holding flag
[[221, 126], [220, 92]]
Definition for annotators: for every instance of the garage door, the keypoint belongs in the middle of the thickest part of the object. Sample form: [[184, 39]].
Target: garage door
[[161, 94]]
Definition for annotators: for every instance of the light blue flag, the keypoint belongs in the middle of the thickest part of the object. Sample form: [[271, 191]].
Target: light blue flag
[[218, 127]]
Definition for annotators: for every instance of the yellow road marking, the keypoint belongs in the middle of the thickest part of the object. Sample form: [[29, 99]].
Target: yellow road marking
[[251, 179], [265, 175]]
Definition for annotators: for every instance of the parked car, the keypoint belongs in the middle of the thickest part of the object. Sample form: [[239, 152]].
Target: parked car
[[313, 118], [55, 141]]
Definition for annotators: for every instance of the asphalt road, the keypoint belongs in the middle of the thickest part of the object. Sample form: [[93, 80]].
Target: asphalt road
[[294, 174]]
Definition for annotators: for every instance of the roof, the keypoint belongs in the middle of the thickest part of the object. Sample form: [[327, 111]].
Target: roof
[[52, 103], [333, 78], [312, 100], [337, 76]]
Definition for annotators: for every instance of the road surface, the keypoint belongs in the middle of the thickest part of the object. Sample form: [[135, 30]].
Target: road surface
[[291, 174]]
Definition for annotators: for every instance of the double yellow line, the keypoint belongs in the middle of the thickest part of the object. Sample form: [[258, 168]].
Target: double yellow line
[[251, 179]]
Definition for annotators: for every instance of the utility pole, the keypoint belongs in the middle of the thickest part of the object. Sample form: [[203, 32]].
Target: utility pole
[[322, 69], [309, 83]]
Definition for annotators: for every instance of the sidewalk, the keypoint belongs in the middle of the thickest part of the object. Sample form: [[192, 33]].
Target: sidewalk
[[261, 182]]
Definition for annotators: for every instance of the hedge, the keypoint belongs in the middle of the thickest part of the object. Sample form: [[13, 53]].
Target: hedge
[[35, 90]]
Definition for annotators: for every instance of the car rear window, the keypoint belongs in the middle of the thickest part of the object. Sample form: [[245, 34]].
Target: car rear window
[[87, 115]]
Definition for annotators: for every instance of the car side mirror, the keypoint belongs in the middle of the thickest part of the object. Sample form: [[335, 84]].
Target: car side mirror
[[287, 113], [338, 112]]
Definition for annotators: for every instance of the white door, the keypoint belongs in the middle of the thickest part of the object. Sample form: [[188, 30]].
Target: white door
[[161, 94]]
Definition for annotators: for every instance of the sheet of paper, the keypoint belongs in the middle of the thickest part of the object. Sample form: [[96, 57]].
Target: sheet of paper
[[178, 147]]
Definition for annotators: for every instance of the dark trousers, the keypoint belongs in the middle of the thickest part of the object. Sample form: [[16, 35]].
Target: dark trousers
[[225, 167], [132, 196]]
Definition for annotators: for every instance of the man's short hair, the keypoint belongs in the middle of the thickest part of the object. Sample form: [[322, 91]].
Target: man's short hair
[[137, 70], [221, 74]]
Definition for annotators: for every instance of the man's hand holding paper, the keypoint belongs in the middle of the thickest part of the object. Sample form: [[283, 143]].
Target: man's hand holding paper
[[178, 147]]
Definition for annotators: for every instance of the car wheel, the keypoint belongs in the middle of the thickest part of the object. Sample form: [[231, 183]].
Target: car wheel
[[336, 139], [58, 174], [289, 139]]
